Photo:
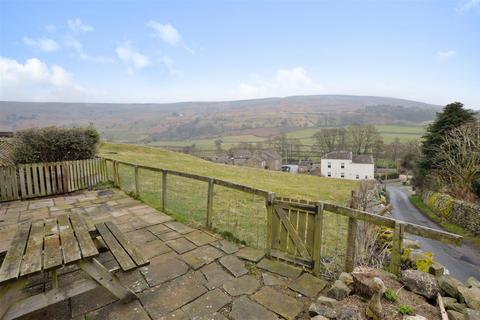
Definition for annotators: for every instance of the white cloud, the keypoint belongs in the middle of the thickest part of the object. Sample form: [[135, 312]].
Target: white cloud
[[77, 25], [169, 63], [467, 5], [284, 82], [133, 59], [445, 55], [34, 80], [50, 28], [168, 34], [43, 44], [77, 46]]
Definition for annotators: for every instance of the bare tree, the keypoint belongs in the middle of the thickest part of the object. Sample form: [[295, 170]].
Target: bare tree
[[460, 157], [330, 139], [364, 139]]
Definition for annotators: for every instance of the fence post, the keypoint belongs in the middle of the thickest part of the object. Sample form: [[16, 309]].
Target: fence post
[[114, 169], [395, 255], [210, 203], [317, 239], [352, 236], [137, 188], [164, 190], [269, 204]]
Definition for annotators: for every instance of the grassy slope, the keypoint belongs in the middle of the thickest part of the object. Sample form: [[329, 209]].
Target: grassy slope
[[284, 184]]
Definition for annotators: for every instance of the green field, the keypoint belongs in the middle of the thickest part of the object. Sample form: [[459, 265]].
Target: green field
[[235, 213], [388, 132]]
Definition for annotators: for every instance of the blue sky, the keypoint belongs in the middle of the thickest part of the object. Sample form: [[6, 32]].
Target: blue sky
[[154, 51]]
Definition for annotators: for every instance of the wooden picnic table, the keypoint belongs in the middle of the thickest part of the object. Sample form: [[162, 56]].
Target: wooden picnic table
[[44, 246]]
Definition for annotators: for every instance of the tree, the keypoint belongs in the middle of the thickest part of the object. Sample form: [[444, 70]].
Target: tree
[[218, 144], [459, 154], [453, 116], [364, 139], [330, 139]]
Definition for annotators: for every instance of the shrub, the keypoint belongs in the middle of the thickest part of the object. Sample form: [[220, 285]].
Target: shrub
[[390, 295], [476, 187], [405, 309], [55, 144]]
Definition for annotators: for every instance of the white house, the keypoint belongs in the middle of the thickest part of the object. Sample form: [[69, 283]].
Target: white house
[[345, 165]]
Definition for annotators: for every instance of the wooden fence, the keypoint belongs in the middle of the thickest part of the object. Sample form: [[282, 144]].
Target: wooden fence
[[294, 227], [43, 179]]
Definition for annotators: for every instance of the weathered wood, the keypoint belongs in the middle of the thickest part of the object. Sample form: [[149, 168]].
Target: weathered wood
[[396, 250], [127, 245], [43, 300], [23, 185], [137, 182], [48, 182], [29, 175], [317, 241], [11, 264], [292, 259], [52, 253], [115, 248], [351, 245], [269, 205], [164, 191], [300, 246], [441, 306], [210, 203], [36, 188], [61, 187], [85, 242], [70, 249], [9, 294], [3, 184], [32, 261], [41, 176], [108, 280]]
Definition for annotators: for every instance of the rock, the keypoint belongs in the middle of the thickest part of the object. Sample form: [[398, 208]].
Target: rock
[[326, 301], [436, 269], [374, 307], [415, 317], [323, 310], [449, 285], [412, 244], [459, 307], [454, 315], [471, 314], [448, 302], [319, 317], [471, 296], [347, 279], [349, 313], [338, 291], [362, 281], [420, 282], [472, 282], [416, 255]]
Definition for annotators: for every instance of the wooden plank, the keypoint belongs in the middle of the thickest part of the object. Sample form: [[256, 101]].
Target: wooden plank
[[98, 171], [293, 218], [351, 245], [276, 225], [29, 173], [15, 181], [85, 242], [3, 185], [53, 178], [58, 175], [11, 264], [75, 176], [108, 280], [52, 253], [292, 232], [317, 241], [23, 184], [53, 296], [70, 250], [48, 179], [123, 259], [210, 203], [129, 247], [36, 187], [65, 176], [302, 227], [396, 251], [32, 261], [269, 206], [7, 183], [9, 294], [41, 179], [292, 259]]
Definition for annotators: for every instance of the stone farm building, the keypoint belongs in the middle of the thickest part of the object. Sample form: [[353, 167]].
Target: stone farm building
[[264, 159], [345, 165]]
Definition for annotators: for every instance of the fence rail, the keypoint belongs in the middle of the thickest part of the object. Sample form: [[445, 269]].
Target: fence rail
[[295, 230], [42, 179]]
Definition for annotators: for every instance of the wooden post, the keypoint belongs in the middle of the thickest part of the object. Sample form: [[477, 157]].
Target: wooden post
[[269, 205], [210, 203], [137, 188], [164, 190], [351, 237], [114, 172], [317, 239], [396, 253]]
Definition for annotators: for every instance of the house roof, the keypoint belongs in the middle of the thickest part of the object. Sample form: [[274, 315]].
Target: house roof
[[347, 155], [362, 158]]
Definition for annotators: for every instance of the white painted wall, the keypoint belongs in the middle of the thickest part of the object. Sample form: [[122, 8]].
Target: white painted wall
[[365, 171]]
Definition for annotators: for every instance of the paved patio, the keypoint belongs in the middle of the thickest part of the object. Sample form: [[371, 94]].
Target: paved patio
[[193, 274]]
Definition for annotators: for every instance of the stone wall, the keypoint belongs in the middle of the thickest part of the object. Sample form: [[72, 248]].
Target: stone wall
[[464, 214]]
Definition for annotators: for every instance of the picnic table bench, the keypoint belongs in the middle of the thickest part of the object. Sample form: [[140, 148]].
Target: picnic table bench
[[44, 246]]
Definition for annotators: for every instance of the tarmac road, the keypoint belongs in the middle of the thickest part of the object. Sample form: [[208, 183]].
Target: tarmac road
[[462, 262]]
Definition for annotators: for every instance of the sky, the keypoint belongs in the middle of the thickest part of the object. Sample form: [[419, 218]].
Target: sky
[[168, 51]]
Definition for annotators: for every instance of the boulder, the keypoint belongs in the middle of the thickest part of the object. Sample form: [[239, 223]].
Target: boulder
[[374, 307], [473, 282], [471, 314], [459, 307], [420, 282], [322, 310], [454, 315], [347, 279], [329, 302], [449, 285], [338, 291], [436, 269], [471, 296], [448, 302], [415, 255]]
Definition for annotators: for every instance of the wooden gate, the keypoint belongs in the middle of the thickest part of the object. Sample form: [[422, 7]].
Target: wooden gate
[[296, 232]]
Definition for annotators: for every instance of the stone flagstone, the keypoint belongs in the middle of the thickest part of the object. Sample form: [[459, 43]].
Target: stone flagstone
[[280, 268], [226, 246], [200, 238], [245, 309], [169, 235], [215, 275], [251, 254], [179, 227], [272, 280], [207, 304], [154, 248], [163, 268], [308, 285], [119, 310], [180, 245], [158, 229], [201, 256], [280, 303], [234, 265], [242, 285]]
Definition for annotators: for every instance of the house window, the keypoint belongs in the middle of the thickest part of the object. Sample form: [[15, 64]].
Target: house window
[[329, 165], [329, 174], [342, 175], [357, 177], [342, 165]]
